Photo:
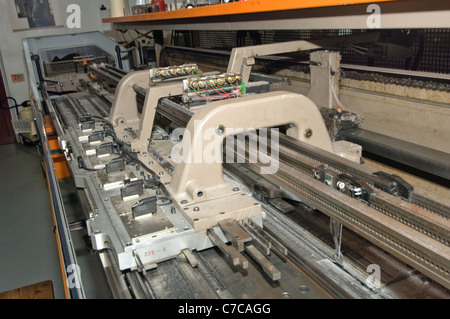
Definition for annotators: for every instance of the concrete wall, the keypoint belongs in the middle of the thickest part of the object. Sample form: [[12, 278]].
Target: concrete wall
[[11, 42]]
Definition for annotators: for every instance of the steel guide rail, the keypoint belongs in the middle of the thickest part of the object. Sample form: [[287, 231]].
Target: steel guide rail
[[425, 221], [309, 253], [416, 197], [427, 215], [422, 244], [420, 218], [61, 224], [107, 100], [411, 246]]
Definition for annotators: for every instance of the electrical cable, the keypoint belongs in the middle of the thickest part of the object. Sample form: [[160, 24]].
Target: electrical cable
[[210, 98], [214, 88], [15, 106], [101, 119], [9, 98], [221, 89], [224, 94]]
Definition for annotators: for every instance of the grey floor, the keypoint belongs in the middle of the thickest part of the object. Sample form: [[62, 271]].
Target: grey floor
[[28, 246]]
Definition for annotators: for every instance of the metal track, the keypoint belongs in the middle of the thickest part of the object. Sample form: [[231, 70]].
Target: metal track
[[415, 235], [430, 217], [433, 225], [215, 278], [341, 165], [409, 245]]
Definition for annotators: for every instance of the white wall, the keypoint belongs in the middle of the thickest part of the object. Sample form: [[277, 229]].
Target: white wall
[[11, 42]]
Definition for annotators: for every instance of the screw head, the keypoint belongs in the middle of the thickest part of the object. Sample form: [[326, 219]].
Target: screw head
[[220, 130]]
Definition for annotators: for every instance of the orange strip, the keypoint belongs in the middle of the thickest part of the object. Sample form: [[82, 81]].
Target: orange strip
[[235, 8], [48, 124], [61, 168]]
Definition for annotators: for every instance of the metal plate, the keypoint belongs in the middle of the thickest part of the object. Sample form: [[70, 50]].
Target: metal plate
[[148, 226]]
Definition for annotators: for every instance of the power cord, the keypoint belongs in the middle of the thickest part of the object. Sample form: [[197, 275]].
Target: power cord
[[15, 106]]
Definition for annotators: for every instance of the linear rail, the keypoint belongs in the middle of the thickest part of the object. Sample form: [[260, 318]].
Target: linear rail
[[403, 241]]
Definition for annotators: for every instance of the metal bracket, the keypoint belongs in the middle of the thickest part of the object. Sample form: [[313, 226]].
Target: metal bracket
[[399, 187], [154, 94], [231, 253], [125, 112], [242, 59], [205, 198], [139, 264], [199, 188], [325, 74]]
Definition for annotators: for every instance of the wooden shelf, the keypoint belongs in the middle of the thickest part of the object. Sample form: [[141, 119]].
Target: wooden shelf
[[294, 14]]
